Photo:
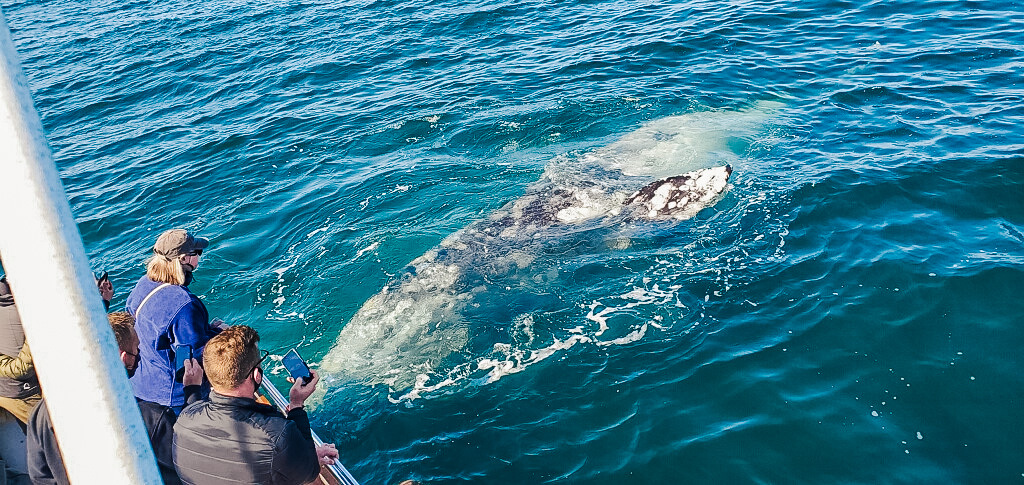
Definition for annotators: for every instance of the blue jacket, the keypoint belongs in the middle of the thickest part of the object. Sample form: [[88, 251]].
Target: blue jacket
[[172, 317]]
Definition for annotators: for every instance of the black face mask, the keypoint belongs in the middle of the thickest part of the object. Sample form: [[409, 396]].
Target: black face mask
[[188, 275], [131, 372]]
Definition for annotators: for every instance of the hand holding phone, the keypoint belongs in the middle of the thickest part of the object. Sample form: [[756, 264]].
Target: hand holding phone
[[193, 373], [106, 288], [181, 354], [301, 390], [296, 366]]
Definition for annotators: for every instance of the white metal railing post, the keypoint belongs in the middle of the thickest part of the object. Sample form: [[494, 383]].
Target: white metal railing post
[[93, 410]]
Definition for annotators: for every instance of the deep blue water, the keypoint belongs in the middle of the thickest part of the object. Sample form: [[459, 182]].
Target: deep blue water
[[849, 313]]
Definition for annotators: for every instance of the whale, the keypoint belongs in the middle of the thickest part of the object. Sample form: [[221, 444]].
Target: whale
[[664, 172]]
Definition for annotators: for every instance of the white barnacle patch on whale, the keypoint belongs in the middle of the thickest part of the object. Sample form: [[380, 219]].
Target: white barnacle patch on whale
[[589, 204], [683, 196]]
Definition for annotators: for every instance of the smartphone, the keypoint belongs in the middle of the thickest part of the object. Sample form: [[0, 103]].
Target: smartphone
[[296, 366], [104, 278], [181, 354]]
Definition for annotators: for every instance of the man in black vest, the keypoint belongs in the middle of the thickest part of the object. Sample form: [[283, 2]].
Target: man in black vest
[[231, 437]]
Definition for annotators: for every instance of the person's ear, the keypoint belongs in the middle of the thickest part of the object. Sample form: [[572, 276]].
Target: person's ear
[[124, 358]]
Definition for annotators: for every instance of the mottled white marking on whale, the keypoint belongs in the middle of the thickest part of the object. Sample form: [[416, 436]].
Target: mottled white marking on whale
[[684, 196]]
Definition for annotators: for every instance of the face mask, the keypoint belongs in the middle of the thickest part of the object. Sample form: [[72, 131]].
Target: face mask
[[135, 363]]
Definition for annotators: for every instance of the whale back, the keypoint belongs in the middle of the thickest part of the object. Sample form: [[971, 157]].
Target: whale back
[[426, 319]]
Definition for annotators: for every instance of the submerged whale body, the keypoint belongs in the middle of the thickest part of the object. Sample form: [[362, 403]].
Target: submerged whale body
[[659, 172]]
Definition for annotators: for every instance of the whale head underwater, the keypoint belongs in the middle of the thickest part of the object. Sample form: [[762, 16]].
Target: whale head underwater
[[666, 171]]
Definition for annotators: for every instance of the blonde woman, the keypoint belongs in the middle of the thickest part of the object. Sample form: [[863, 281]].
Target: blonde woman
[[169, 318]]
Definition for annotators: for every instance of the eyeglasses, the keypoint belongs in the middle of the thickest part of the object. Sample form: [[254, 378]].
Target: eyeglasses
[[263, 356]]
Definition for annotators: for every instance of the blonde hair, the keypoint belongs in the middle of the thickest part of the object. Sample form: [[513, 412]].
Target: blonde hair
[[229, 357], [162, 269], [123, 326]]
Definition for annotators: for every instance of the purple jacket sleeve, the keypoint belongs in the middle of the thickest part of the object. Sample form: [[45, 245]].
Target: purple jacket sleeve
[[191, 326]]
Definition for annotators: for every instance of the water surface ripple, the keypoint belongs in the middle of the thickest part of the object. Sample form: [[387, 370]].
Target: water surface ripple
[[849, 313]]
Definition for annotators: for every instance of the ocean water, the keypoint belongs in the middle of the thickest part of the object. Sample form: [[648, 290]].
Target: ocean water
[[849, 312]]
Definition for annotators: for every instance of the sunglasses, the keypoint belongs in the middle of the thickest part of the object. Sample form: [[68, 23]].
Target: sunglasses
[[197, 252], [263, 356]]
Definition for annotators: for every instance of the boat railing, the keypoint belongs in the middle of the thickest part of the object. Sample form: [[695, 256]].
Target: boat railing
[[336, 469], [73, 348]]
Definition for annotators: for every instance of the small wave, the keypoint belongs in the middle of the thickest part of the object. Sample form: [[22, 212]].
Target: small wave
[[509, 358], [372, 247]]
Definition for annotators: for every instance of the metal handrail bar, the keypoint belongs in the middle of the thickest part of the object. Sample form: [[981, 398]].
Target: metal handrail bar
[[95, 417], [336, 468]]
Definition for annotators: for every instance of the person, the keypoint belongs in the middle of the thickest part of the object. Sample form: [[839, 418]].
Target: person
[[19, 388], [169, 318], [12, 451], [230, 437], [45, 464]]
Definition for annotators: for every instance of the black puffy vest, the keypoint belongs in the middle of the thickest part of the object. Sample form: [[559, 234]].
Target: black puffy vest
[[234, 440]]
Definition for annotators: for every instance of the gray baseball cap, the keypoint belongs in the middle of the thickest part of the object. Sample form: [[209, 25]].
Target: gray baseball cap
[[177, 242]]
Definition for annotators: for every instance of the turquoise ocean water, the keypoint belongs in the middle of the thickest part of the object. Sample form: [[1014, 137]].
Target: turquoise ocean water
[[850, 312]]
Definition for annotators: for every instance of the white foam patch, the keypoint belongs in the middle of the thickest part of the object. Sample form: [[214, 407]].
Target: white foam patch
[[322, 229], [508, 359], [629, 338], [372, 247], [279, 289], [513, 361], [638, 297], [517, 360], [600, 317]]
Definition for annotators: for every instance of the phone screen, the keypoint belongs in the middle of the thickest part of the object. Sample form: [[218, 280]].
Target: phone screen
[[296, 366], [181, 353]]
